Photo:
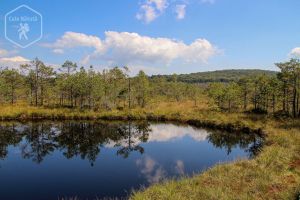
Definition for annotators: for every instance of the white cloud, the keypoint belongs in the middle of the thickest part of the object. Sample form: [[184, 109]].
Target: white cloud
[[72, 39], [147, 14], [180, 11], [131, 48], [58, 51], [13, 62], [8, 60], [295, 52], [15, 59], [151, 9], [161, 5]]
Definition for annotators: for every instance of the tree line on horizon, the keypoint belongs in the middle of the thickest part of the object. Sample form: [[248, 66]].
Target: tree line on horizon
[[224, 76], [70, 86]]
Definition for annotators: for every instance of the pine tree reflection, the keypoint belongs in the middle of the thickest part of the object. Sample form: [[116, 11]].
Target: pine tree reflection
[[85, 139], [82, 139], [249, 142], [131, 135], [8, 136], [39, 141]]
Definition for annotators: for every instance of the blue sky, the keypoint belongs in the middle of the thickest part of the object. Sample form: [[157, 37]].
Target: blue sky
[[161, 36]]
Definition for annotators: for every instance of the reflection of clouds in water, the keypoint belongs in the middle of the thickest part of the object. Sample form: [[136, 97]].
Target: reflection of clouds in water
[[154, 172], [167, 132], [179, 167], [20, 128], [151, 169], [55, 131]]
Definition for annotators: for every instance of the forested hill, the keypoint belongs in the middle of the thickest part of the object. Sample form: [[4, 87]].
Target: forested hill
[[218, 76]]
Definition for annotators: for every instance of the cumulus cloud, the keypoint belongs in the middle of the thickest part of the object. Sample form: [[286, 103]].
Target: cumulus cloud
[[13, 62], [72, 39], [16, 59], [295, 52], [180, 11], [10, 60], [151, 9], [132, 48]]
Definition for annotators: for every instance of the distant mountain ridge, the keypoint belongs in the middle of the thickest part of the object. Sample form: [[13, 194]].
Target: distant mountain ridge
[[218, 76]]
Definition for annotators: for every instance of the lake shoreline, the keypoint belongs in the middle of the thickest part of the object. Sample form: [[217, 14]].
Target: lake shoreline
[[29, 113], [230, 127]]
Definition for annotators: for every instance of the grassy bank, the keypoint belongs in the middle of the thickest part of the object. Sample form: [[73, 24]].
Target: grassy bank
[[273, 174]]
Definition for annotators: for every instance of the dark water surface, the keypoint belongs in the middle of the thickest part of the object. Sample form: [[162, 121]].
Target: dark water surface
[[51, 160]]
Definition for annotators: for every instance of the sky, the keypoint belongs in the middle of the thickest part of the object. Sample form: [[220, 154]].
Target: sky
[[157, 36]]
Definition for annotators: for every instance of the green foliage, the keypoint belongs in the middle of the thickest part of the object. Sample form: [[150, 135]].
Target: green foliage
[[142, 88], [10, 80], [290, 78], [38, 78], [217, 92], [225, 95], [267, 94]]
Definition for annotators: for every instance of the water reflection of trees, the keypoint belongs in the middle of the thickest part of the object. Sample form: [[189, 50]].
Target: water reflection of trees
[[39, 141], [130, 135], [251, 143], [85, 139], [8, 136]]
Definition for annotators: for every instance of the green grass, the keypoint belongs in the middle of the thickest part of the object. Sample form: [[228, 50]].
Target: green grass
[[273, 174]]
